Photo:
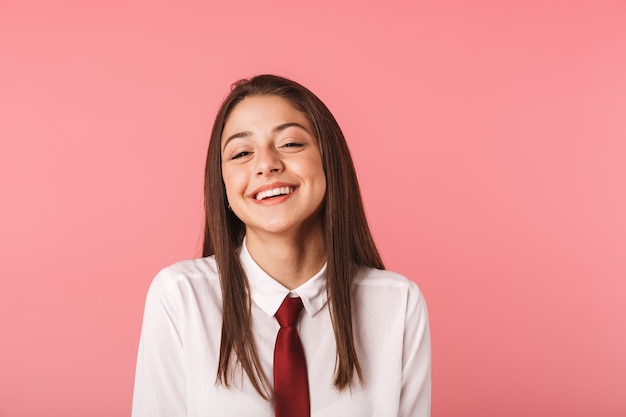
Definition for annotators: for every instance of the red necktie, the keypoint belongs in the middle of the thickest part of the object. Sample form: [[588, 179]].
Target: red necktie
[[291, 385]]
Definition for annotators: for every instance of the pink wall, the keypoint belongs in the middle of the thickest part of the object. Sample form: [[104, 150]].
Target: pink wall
[[490, 138]]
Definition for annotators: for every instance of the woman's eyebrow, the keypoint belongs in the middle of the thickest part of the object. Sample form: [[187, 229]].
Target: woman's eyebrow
[[276, 129], [291, 124], [235, 136]]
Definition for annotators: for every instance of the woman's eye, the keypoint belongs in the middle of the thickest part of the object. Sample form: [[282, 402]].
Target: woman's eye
[[293, 145], [240, 155]]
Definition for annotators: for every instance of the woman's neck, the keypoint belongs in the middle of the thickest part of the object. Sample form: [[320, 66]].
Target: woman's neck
[[289, 259]]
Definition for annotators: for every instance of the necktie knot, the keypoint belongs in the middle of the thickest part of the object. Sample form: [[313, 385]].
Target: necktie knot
[[289, 311]]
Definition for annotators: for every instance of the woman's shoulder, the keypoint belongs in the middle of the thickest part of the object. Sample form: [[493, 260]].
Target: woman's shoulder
[[383, 284], [388, 295], [189, 272], [181, 294], [382, 277]]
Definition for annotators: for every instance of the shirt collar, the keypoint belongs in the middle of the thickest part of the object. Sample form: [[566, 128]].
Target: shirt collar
[[269, 294]]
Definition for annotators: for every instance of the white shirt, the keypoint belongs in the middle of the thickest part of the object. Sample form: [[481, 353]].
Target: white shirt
[[180, 341]]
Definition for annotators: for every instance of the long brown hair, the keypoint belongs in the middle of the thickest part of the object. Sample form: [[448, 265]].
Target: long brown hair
[[348, 242]]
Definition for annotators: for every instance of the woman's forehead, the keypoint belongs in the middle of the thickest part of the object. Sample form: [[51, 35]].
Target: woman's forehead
[[263, 113]]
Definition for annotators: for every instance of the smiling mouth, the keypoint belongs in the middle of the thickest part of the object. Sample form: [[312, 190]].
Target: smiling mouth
[[274, 192]]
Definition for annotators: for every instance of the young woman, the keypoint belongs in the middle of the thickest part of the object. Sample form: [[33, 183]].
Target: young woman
[[284, 225]]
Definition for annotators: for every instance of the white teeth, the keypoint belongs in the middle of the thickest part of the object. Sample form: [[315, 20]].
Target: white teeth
[[273, 192]]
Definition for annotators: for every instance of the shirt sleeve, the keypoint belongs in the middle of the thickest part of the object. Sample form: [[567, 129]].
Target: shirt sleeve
[[160, 378], [416, 359]]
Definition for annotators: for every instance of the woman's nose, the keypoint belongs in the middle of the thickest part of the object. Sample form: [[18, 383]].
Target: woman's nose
[[268, 162]]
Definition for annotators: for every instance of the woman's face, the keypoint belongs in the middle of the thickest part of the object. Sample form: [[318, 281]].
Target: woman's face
[[272, 167]]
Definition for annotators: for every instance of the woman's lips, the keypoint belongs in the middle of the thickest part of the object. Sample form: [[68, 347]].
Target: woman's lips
[[272, 190]]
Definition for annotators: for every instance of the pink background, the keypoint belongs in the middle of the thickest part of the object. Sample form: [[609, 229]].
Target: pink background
[[489, 136]]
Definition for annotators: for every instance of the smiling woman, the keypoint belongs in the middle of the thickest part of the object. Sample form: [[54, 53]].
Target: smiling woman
[[285, 231], [274, 178]]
